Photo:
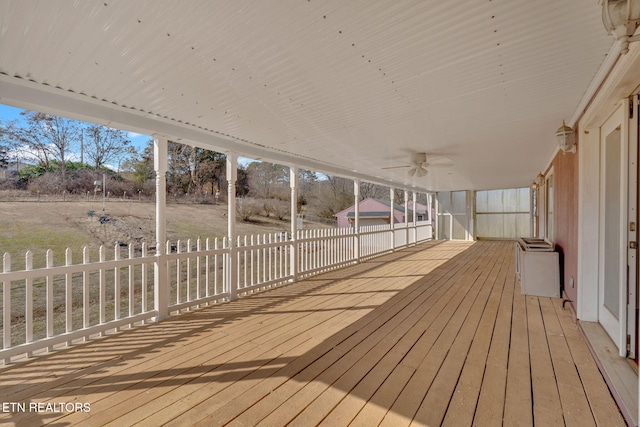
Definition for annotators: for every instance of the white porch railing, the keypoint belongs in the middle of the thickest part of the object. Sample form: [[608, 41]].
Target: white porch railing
[[197, 273], [60, 305], [262, 261], [52, 305], [324, 250]]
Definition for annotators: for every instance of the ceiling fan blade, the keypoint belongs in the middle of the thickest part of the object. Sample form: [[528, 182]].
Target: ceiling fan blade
[[438, 165], [412, 171], [398, 167], [420, 172], [439, 160]]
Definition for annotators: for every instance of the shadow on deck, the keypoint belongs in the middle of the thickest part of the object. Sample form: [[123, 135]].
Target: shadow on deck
[[437, 334]]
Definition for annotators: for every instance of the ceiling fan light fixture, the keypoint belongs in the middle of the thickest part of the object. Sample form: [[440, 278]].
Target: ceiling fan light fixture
[[419, 165], [419, 158]]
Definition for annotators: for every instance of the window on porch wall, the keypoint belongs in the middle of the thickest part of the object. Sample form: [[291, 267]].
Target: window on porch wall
[[503, 214], [453, 221]]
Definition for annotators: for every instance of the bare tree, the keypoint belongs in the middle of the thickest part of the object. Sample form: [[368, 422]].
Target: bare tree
[[210, 172], [44, 137], [267, 180], [374, 191], [141, 164], [103, 144], [307, 183], [6, 146], [331, 196], [181, 167], [4, 157]]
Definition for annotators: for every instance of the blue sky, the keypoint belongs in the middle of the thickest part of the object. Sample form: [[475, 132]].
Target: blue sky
[[8, 113]]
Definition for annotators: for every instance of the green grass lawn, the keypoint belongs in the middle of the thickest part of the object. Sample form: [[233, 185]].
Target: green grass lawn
[[18, 237]]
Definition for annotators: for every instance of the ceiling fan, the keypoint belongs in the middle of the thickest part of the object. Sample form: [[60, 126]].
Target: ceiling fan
[[418, 164]]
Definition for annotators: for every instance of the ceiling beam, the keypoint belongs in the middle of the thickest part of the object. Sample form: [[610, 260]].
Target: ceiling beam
[[31, 95]]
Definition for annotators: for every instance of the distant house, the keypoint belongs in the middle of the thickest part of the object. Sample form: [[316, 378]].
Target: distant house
[[378, 212]]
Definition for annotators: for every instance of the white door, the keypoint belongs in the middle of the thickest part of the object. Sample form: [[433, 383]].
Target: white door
[[614, 184]]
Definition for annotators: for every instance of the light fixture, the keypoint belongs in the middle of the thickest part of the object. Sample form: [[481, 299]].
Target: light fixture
[[621, 19], [539, 180], [417, 171], [564, 135]]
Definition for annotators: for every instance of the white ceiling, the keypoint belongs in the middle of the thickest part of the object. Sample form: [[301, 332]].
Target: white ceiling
[[347, 87]]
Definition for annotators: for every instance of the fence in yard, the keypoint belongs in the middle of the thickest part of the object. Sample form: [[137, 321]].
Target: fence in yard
[[61, 305]]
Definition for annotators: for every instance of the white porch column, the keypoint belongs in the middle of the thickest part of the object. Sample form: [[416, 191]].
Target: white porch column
[[356, 225], [415, 216], [392, 197], [406, 217], [436, 218], [293, 183], [432, 214], [161, 279], [232, 263], [471, 214], [415, 220]]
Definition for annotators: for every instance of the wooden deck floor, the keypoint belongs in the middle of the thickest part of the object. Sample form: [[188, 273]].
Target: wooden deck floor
[[437, 334]]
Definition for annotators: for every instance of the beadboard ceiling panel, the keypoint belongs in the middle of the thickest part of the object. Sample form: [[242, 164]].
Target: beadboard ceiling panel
[[349, 87]]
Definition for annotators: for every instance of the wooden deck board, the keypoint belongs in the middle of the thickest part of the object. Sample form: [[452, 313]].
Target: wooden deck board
[[575, 406], [518, 405], [603, 407], [464, 401], [436, 403], [432, 354], [350, 380], [394, 321], [437, 334], [142, 372], [547, 408]]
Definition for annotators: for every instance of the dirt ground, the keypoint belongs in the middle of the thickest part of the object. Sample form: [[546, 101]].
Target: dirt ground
[[56, 225]]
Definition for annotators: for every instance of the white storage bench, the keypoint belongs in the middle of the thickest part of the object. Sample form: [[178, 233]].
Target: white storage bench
[[537, 267]]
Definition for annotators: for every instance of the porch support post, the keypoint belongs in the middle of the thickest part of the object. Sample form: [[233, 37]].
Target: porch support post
[[406, 218], [391, 217], [436, 218], [232, 262], [160, 276], [415, 220], [293, 260], [356, 196], [471, 214], [415, 216], [432, 214]]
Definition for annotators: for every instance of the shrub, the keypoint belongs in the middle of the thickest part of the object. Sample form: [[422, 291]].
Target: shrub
[[279, 209], [247, 208]]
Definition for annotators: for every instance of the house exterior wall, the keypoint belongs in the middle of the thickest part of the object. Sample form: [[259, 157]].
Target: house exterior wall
[[364, 222], [367, 205], [565, 224]]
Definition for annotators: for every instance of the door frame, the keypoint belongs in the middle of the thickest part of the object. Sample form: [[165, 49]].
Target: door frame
[[632, 221], [615, 327], [549, 201]]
